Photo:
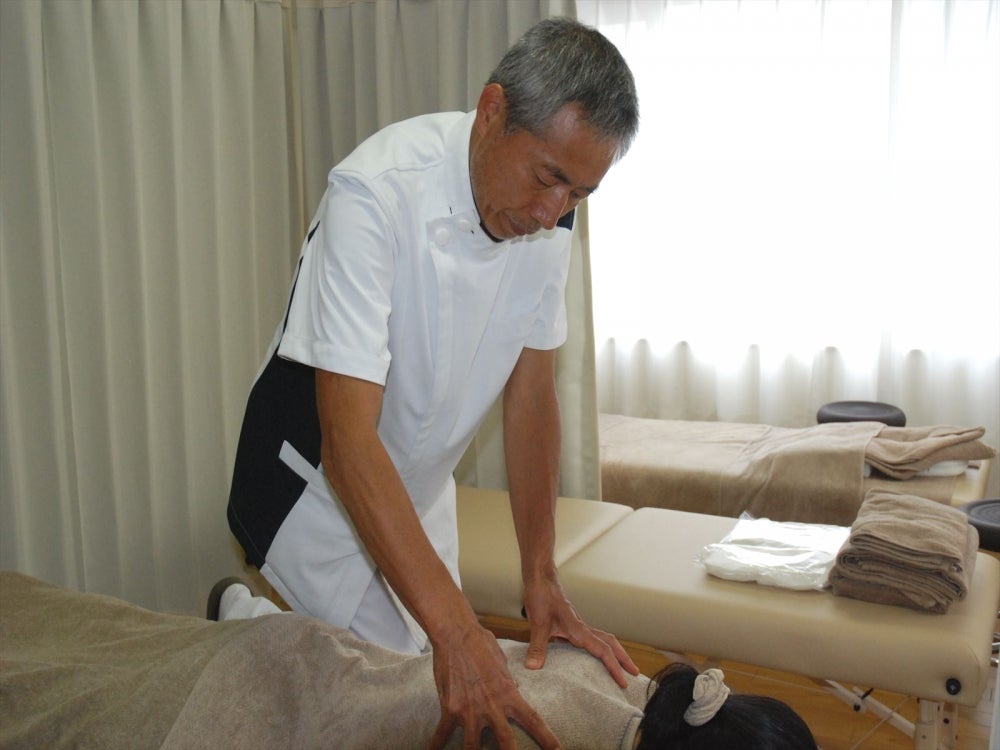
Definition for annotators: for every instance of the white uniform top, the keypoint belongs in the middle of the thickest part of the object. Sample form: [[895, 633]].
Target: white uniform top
[[399, 285]]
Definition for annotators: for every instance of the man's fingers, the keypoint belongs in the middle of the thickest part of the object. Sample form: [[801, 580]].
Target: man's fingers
[[533, 723], [537, 649], [614, 667], [470, 740], [471, 734], [504, 733], [617, 650], [506, 739], [622, 656], [444, 729], [606, 647], [606, 654], [476, 691]]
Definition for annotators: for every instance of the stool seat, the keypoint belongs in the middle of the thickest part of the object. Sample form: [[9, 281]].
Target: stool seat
[[984, 515], [861, 411]]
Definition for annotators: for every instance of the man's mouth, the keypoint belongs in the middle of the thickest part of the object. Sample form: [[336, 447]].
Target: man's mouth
[[520, 229]]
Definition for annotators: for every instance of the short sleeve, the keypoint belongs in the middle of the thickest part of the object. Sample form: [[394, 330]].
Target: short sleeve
[[340, 304], [550, 328]]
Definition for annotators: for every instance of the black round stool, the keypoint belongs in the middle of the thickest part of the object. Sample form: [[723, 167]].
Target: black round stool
[[984, 515], [861, 411]]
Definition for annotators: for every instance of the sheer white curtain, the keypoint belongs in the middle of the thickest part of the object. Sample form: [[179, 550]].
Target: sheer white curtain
[[811, 211], [159, 162]]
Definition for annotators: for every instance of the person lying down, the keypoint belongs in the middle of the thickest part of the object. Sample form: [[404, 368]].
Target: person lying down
[[90, 671]]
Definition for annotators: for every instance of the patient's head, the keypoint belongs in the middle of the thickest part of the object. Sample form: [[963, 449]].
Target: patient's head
[[688, 711]]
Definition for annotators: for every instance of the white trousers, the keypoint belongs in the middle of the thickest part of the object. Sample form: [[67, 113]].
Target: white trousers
[[319, 566], [377, 619]]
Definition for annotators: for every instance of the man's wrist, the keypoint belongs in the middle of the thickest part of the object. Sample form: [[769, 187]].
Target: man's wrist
[[540, 574], [454, 626]]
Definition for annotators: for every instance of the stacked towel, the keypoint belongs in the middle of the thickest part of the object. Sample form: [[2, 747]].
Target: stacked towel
[[903, 452], [906, 551]]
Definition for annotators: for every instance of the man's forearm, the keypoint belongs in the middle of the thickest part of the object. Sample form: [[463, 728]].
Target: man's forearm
[[367, 483], [532, 444]]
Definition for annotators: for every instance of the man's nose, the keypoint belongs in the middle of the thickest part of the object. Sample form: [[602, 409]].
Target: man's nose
[[550, 206]]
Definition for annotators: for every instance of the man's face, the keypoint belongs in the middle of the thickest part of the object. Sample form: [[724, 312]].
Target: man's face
[[523, 183]]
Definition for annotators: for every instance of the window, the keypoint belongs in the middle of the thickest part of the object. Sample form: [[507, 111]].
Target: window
[[814, 196]]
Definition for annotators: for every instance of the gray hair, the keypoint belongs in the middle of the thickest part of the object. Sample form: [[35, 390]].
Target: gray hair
[[560, 61]]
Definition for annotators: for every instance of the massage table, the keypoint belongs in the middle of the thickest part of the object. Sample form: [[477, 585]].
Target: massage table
[[632, 572], [811, 474]]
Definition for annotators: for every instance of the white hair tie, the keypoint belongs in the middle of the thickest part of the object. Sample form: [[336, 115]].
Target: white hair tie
[[709, 693]]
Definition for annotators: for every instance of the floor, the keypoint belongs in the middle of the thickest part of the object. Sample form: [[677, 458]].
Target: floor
[[837, 726]]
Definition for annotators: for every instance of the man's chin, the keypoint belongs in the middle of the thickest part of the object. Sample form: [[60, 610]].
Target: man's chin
[[491, 233], [520, 230], [509, 230]]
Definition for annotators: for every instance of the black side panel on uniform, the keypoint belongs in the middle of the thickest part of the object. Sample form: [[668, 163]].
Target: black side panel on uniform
[[281, 406]]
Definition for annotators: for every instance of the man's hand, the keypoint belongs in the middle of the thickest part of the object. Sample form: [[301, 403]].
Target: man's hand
[[477, 691], [550, 615], [474, 685]]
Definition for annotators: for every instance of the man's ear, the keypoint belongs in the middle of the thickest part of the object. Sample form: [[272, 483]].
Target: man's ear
[[491, 110]]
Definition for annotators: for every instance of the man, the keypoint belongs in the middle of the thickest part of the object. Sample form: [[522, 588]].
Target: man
[[431, 280]]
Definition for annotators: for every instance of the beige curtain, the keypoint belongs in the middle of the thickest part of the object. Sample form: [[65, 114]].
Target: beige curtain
[[159, 161]]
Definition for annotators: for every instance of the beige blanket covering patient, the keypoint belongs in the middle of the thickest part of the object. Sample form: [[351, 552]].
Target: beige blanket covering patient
[[809, 474], [86, 671], [906, 551]]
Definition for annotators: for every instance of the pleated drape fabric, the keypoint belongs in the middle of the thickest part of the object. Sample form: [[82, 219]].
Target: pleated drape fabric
[[810, 212], [159, 162]]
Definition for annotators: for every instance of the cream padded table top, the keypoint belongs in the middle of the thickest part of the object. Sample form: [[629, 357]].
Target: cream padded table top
[[488, 559], [633, 573], [657, 595]]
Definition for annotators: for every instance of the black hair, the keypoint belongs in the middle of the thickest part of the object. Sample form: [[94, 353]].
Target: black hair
[[748, 722]]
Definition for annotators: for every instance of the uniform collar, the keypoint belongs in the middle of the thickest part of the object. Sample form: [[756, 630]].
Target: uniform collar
[[460, 200], [461, 203]]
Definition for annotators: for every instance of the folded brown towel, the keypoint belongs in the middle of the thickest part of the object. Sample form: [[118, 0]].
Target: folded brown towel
[[902, 452], [906, 551]]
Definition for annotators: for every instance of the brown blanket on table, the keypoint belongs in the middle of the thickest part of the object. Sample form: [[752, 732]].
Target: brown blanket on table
[[808, 474], [907, 551], [811, 474], [92, 672]]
